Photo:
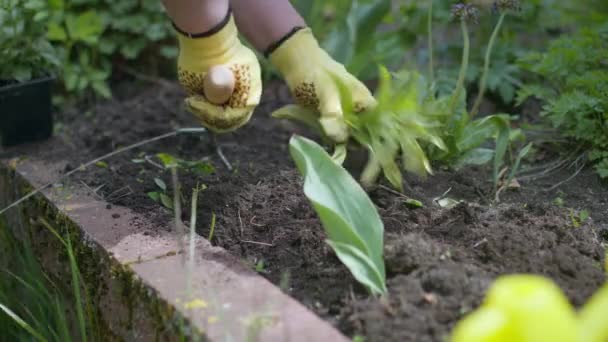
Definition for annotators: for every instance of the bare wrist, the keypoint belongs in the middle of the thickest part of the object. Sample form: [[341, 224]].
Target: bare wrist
[[196, 16]]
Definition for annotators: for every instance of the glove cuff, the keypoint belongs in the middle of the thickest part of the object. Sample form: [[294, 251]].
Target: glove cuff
[[211, 32], [288, 53], [219, 43]]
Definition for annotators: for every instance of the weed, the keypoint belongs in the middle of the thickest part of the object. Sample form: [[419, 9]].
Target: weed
[[161, 196], [578, 218], [573, 83], [32, 305]]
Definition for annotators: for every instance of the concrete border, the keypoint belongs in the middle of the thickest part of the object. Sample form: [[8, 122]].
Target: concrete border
[[137, 280]]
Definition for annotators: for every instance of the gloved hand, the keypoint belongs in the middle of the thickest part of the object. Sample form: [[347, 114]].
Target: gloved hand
[[197, 55], [311, 76]]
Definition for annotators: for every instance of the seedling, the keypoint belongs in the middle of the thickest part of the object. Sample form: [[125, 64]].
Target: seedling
[[260, 266], [350, 219], [162, 195], [578, 218]]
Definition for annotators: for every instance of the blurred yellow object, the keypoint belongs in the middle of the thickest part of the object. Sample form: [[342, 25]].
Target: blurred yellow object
[[530, 308]]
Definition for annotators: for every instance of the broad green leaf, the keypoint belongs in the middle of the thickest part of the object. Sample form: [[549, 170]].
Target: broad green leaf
[[340, 153], [301, 114], [86, 27], [160, 183], [168, 160], [476, 156], [102, 89], [348, 215], [166, 201], [360, 265], [155, 196]]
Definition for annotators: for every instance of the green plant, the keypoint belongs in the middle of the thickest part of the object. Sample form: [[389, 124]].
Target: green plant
[[34, 306], [91, 34], [573, 83], [392, 129], [169, 162], [25, 51], [161, 196], [465, 138], [350, 219], [503, 6]]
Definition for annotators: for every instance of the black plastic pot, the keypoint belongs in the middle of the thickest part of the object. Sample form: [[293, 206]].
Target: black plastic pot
[[25, 112]]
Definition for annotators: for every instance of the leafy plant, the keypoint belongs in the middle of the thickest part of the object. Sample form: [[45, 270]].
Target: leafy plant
[[353, 226], [25, 51], [161, 196], [33, 306], [573, 83], [169, 162], [91, 34], [466, 138], [532, 308], [392, 129]]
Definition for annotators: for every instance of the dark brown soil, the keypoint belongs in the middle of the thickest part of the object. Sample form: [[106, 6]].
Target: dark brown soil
[[439, 261]]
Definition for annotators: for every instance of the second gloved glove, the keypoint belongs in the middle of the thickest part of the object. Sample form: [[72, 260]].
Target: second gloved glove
[[311, 75]]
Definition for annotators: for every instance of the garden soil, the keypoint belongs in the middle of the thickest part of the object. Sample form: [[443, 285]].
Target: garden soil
[[439, 261]]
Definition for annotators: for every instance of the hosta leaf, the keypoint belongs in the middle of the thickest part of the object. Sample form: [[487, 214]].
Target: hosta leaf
[[476, 156], [166, 201], [301, 114], [349, 217], [359, 265]]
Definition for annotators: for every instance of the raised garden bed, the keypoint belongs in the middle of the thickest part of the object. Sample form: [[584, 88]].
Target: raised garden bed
[[439, 260]]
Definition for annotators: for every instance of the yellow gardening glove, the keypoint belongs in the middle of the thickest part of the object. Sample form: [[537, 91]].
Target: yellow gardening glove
[[311, 76], [197, 55]]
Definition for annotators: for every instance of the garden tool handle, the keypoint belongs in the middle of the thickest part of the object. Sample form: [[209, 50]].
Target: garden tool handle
[[219, 84]]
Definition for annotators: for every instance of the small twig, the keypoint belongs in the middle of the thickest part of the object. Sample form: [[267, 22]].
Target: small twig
[[255, 224], [93, 191], [484, 240], [240, 221], [567, 179], [258, 243], [148, 159], [180, 229], [113, 193], [220, 153], [191, 250], [106, 156], [394, 192]]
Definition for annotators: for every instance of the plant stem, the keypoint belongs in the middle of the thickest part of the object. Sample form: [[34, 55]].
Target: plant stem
[[486, 66], [106, 156], [464, 65], [430, 43], [190, 269]]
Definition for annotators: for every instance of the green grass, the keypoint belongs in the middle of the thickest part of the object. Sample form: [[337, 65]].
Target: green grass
[[34, 307]]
